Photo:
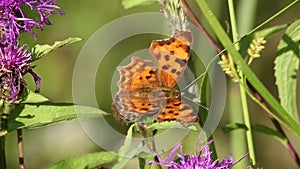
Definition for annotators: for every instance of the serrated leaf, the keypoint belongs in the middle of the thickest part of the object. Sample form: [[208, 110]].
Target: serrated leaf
[[286, 68], [133, 3], [39, 51], [86, 161], [36, 115]]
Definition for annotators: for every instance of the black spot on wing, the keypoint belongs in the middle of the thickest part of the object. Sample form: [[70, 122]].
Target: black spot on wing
[[165, 67], [180, 62], [167, 57]]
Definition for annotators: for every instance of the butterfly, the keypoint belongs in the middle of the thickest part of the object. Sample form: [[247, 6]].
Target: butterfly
[[147, 90]]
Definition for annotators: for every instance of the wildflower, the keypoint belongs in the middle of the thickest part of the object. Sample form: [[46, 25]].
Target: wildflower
[[256, 48], [199, 160], [15, 62], [13, 19], [229, 68]]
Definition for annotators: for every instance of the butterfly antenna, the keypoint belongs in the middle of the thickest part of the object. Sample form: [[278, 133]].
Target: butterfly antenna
[[194, 81], [196, 102], [202, 74]]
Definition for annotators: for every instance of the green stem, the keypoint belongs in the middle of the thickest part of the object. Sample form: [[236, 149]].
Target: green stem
[[294, 127], [235, 35], [245, 108], [247, 122]]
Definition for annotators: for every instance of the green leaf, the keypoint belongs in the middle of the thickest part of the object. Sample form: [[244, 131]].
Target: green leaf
[[33, 97], [133, 3], [36, 115], [127, 143], [256, 127], [287, 121], [234, 126], [131, 154], [142, 163], [286, 68], [269, 131], [168, 125], [128, 151], [87, 161], [40, 51]]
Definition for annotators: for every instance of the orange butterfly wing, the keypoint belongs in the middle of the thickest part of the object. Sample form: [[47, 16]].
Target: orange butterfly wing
[[146, 90]]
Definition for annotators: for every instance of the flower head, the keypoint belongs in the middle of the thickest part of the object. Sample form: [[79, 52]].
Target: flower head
[[15, 62], [14, 20], [198, 160]]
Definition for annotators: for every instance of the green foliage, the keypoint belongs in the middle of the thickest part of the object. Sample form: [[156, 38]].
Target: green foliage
[[40, 51], [266, 33], [255, 127], [36, 115], [133, 3], [87, 161], [33, 97], [286, 68], [288, 122], [128, 141], [169, 125]]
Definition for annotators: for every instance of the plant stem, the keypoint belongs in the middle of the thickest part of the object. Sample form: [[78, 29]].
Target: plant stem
[[196, 21], [2, 152], [233, 24], [247, 122], [20, 149], [148, 139], [245, 108], [3, 131], [277, 125], [293, 126], [198, 24]]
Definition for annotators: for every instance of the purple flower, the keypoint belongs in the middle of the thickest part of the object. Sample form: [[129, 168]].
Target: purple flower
[[15, 62], [13, 20], [198, 160]]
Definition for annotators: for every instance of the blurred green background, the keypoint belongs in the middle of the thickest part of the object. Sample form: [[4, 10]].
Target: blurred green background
[[46, 146]]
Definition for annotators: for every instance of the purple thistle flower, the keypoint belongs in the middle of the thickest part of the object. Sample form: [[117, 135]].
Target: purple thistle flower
[[198, 160], [13, 19], [15, 62]]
